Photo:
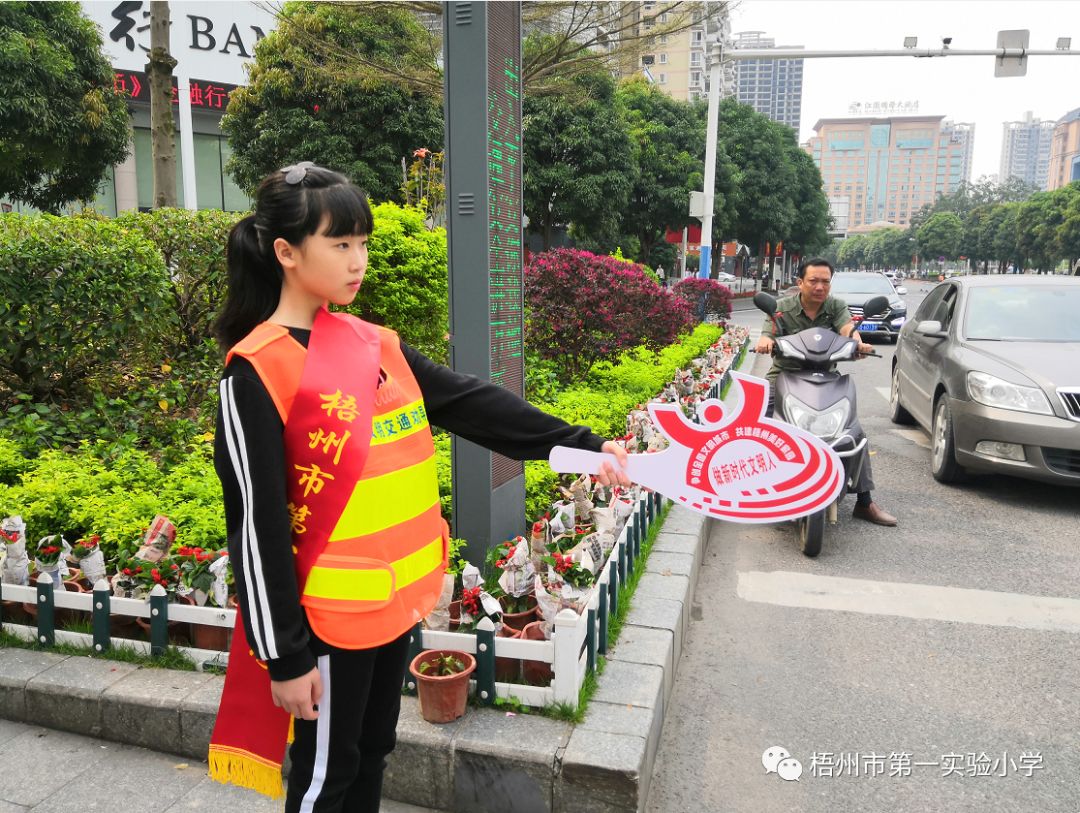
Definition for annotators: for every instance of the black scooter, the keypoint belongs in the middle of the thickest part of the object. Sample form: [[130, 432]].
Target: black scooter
[[820, 401]]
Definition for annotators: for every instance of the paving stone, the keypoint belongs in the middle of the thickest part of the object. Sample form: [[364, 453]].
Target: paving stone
[[143, 708], [504, 763], [9, 732], [684, 521], [39, 763], [633, 721], [17, 666], [67, 696], [660, 613], [137, 780], [649, 646], [631, 684], [8, 807], [677, 564], [421, 768], [671, 587], [602, 773], [198, 712], [676, 543], [211, 795]]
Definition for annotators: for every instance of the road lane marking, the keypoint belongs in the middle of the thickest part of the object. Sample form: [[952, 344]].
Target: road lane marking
[[916, 436], [921, 601]]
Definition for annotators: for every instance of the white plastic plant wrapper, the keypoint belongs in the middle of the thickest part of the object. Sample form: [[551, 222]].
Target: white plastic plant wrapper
[[562, 519], [439, 618], [219, 590], [93, 566], [16, 566], [589, 552], [58, 569], [579, 493], [490, 606], [604, 521], [517, 573], [158, 540], [126, 587], [538, 543], [470, 577]]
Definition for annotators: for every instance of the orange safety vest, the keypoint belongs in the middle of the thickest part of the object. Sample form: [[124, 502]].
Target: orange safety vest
[[381, 569]]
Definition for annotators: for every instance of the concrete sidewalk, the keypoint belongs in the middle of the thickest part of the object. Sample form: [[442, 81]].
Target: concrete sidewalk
[[49, 771]]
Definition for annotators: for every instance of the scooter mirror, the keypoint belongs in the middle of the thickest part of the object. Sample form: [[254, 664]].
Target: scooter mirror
[[879, 304], [765, 302]]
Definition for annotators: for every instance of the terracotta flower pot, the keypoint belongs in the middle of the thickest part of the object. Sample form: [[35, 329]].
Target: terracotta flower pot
[[536, 673], [508, 670], [442, 697], [206, 636], [455, 615], [519, 620]]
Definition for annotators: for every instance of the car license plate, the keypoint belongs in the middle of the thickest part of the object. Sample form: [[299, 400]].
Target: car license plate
[[868, 325]]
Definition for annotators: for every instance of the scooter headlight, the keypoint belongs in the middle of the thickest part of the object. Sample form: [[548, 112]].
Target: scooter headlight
[[826, 424], [788, 349]]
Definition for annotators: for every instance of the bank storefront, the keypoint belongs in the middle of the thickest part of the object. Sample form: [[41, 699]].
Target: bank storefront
[[212, 42]]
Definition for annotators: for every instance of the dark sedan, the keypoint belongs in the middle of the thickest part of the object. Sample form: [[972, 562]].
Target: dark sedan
[[990, 366], [856, 288]]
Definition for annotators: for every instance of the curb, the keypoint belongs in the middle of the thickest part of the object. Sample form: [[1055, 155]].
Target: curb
[[487, 761]]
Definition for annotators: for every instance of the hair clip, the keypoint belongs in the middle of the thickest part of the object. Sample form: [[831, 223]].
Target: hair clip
[[297, 172]]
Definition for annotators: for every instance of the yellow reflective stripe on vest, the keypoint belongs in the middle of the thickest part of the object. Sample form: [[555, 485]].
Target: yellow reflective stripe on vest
[[398, 423], [378, 503], [373, 585]]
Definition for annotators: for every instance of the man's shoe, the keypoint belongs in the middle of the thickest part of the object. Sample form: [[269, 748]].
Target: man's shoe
[[873, 513]]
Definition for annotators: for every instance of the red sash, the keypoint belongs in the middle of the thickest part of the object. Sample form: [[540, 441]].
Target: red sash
[[327, 436]]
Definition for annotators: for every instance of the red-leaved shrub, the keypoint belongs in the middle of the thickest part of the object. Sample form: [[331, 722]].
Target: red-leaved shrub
[[582, 308], [717, 297]]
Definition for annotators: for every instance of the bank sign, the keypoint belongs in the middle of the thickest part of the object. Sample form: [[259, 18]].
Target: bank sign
[[213, 41]]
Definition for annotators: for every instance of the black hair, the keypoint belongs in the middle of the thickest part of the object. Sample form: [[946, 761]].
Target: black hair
[[813, 261], [291, 204]]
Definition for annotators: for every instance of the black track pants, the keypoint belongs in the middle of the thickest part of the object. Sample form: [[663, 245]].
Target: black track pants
[[338, 759]]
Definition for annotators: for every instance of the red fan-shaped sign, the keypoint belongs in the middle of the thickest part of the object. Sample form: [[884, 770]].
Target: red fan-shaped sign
[[737, 465]]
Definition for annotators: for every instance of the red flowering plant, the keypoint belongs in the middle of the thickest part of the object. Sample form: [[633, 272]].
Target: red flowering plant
[[194, 564], [704, 296], [582, 308], [84, 547], [146, 575], [569, 571], [48, 552]]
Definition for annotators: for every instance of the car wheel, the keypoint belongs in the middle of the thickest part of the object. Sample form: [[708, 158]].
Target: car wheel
[[897, 413], [943, 463]]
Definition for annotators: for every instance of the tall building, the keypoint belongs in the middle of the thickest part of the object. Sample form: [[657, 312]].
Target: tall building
[[1064, 164], [885, 169], [677, 63], [773, 87], [1025, 150]]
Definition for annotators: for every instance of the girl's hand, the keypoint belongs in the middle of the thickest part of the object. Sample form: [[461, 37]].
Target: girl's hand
[[299, 696], [608, 475]]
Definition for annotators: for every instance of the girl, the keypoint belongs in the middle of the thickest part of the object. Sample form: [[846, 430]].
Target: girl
[[327, 465]]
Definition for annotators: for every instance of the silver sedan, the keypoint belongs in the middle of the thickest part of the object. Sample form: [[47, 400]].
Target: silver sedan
[[990, 367]]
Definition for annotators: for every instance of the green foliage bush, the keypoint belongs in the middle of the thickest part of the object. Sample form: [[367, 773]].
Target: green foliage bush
[[81, 301], [405, 287], [116, 494]]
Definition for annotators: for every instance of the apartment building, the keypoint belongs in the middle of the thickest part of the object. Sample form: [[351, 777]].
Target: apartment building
[[1064, 162], [1025, 150], [773, 87]]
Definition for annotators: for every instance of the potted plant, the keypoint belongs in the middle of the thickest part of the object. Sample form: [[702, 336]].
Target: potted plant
[[91, 561], [197, 575], [442, 681]]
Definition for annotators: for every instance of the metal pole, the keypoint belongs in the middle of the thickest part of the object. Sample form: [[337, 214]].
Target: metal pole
[[710, 158]]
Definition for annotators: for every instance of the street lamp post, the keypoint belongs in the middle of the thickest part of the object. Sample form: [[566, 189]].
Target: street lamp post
[[717, 56]]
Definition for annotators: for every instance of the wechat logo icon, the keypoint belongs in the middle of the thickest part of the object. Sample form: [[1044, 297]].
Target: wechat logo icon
[[777, 760]]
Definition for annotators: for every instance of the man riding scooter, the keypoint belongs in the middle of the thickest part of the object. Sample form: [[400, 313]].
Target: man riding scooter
[[813, 307]]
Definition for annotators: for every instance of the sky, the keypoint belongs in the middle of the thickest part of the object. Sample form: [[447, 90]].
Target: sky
[[962, 88]]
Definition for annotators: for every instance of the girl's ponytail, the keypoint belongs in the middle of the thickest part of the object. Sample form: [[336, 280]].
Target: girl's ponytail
[[254, 285]]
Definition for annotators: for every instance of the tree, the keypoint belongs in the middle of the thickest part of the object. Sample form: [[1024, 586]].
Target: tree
[[159, 68], [940, 235], [853, 251], [353, 120], [809, 231], [668, 141], [578, 160], [61, 123], [760, 199], [1069, 231], [583, 37]]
